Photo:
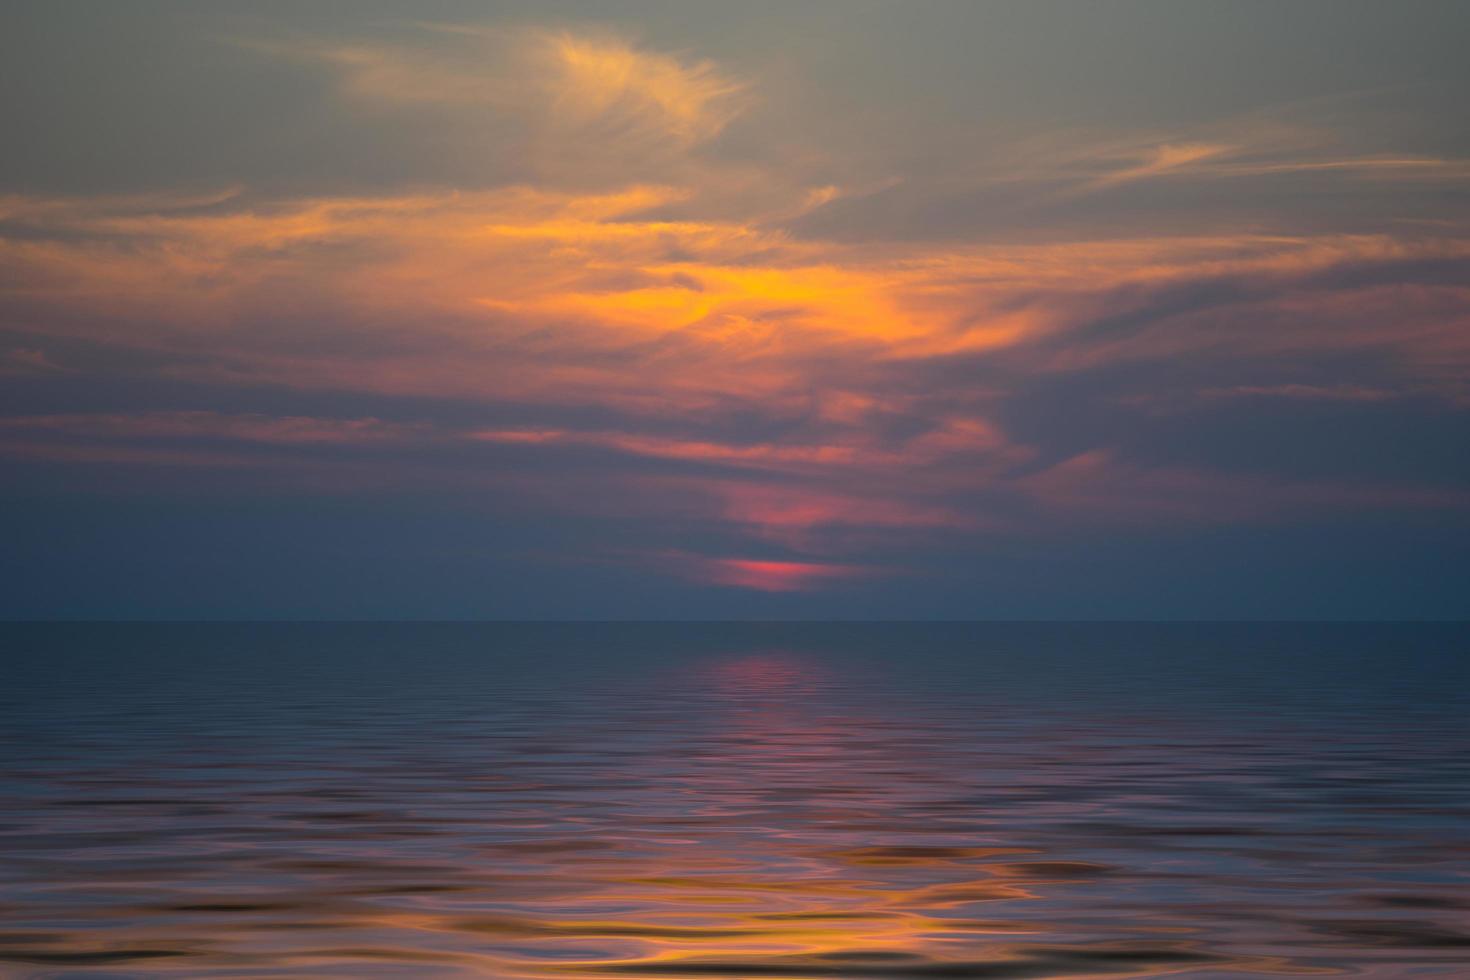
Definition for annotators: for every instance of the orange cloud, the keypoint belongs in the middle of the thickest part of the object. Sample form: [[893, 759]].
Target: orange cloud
[[572, 280], [1161, 160], [637, 296], [557, 299], [602, 77]]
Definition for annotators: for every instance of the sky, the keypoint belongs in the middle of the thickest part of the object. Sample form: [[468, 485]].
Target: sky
[[688, 310]]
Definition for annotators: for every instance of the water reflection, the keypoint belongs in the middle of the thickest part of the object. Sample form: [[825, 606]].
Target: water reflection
[[793, 802]]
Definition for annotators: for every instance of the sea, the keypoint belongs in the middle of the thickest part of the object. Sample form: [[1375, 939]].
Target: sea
[[734, 800]]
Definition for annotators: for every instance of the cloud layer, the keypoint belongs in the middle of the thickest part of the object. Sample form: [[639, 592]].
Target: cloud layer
[[656, 317]]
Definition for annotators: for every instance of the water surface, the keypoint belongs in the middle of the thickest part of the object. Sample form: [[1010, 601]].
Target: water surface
[[741, 801]]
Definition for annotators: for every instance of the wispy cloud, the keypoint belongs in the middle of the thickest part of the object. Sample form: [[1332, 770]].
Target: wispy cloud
[[27, 360], [638, 331], [1348, 393], [569, 107], [1097, 484], [252, 427]]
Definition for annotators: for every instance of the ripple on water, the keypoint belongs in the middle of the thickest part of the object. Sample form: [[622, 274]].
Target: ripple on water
[[792, 802]]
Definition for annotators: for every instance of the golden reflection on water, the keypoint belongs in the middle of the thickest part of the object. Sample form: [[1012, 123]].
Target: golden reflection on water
[[747, 892], [742, 815]]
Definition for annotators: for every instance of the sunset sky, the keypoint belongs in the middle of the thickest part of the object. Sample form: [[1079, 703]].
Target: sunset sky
[[734, 310]]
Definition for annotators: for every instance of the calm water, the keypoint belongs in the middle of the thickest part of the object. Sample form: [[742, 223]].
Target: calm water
[[686, 801]]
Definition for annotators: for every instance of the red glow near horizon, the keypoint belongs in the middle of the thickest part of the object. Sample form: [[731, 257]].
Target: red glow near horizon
[[776, 576]]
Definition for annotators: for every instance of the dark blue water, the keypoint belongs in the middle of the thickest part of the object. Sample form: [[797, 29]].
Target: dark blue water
[[740, 801]]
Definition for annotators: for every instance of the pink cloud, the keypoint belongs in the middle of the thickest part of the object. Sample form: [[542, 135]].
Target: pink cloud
[[280, 430], [27, 360], [1095, 485], [764, 575]]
